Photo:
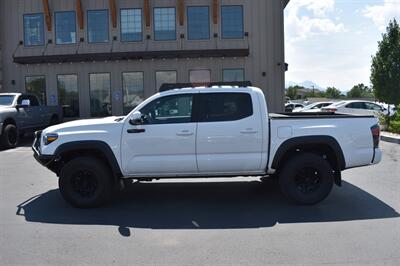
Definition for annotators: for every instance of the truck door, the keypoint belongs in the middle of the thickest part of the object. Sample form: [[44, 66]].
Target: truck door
[[27, 115], [229, 133], [36, 114], [164, 144]]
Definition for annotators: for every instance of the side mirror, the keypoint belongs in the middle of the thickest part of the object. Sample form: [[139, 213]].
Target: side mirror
[[25, 104], [136, 119]]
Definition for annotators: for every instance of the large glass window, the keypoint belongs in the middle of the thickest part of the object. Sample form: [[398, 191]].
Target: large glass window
[[65, 27], [164, 23], [133, 90], [232, 22], [198, 23], [169, 110], [218, 107], [200, 76], [34, 29], [165, 77], [98, 26], [131, 25], [100, 94], [37, 86], [233, 75], [68, 95]]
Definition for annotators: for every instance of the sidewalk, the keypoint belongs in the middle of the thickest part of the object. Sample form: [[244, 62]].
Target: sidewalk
[[390, 137]]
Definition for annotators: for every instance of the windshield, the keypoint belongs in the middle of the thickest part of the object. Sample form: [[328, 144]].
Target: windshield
[[6, 99], [318, 105], [310, 106]]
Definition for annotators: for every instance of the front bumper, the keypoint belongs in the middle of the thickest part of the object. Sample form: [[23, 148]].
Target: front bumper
[[45, 160]]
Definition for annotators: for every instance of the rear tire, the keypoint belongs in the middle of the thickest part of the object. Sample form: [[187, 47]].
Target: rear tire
[[85, 182], [306, 179], [9, 136]]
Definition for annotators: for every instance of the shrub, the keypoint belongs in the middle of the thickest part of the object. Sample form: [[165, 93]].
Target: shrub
[[394, 122], [394, 126]]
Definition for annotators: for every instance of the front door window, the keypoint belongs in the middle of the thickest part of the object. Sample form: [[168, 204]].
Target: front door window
[[169, 110]]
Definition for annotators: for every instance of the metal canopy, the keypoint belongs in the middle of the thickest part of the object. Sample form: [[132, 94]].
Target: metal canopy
[[90, 57]]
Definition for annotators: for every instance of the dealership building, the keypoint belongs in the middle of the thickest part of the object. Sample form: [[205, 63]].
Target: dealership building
[[103, 57]]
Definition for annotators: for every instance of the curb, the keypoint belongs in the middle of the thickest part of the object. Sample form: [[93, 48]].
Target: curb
[[390, 139]]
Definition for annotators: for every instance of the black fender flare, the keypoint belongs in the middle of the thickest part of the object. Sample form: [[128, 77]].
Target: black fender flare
[[95, 145], [310, 140], [10, 120]]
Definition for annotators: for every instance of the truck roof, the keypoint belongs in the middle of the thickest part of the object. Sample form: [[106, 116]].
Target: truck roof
[[217, 89], [232, 84]]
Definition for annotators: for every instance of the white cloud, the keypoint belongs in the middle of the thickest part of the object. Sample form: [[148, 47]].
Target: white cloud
[[319, 7], [381, 14], [300, 26]]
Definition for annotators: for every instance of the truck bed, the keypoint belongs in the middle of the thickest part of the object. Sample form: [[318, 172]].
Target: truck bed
[[321, 115]]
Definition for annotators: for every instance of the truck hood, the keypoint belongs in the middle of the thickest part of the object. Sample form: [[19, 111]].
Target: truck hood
[[85, 125], [4, 107], [4, 110]]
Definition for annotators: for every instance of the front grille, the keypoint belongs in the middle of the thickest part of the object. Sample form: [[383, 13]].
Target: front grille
[[36, 144]]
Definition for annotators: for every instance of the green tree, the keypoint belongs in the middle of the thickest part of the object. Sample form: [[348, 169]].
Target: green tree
[[315, 94], [332, 93], [292, 92], [360, 91], [385, 69]]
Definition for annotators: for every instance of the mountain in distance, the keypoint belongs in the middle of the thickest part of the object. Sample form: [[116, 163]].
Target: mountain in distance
[[306, 84]]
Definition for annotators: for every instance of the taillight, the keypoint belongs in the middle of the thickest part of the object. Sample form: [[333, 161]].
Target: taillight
[[330, 110], [376, 132]]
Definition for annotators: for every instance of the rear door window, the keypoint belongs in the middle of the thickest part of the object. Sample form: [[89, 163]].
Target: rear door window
[[219, 107], [372, 106], [356, 105]]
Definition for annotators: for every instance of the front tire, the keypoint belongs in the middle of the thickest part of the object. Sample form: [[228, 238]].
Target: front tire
[[9, 136], [306, 179], [85, 182]]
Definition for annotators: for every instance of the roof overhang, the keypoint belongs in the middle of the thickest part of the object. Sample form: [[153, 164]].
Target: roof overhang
[[68, 58], [285, 3]]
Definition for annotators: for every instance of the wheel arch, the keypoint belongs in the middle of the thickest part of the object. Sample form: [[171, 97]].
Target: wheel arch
[[10, 120], [323, 145], [98, 149]]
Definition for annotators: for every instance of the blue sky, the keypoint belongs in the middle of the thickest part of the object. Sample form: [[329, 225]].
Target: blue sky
[[330, 42]]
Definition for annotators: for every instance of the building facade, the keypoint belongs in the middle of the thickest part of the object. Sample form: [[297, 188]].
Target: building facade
[[1, 71], [1, 68], [103, 57]]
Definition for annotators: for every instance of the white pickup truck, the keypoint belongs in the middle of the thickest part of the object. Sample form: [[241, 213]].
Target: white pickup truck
[[223, 131]]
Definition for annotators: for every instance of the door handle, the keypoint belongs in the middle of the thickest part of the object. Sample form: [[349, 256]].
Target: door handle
[[185, 133], [249, 131], [136, 131]]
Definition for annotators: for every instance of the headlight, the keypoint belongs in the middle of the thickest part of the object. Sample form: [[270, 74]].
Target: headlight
[[49, 138]]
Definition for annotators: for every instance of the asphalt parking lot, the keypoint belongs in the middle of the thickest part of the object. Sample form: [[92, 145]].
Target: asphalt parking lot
[[224, 222]]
